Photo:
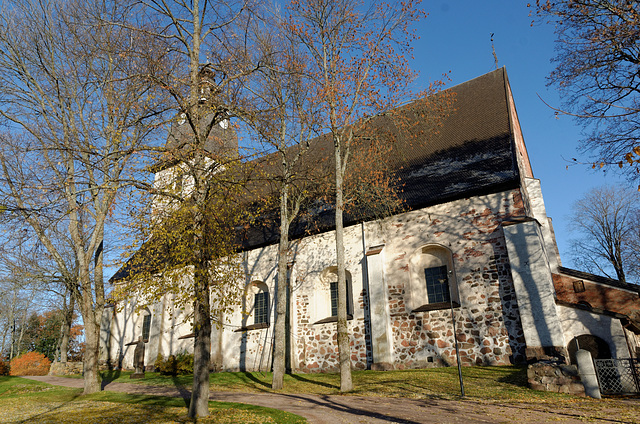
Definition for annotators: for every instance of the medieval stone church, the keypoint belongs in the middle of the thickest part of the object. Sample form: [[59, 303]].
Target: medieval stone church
[[474, 247]]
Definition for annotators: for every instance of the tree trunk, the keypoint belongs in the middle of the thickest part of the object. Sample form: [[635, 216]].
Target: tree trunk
[[12, 324], [91, 332], [199, 405], [4, 334], [65, 330], [23, 325], [344, 351], [281, 295]]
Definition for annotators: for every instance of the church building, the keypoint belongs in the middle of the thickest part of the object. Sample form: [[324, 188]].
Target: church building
[[472, 260]]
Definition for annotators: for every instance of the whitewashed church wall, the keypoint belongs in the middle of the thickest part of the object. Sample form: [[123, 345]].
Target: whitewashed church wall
[[577, 322], [487, 322], [488, 326], [123, 325]]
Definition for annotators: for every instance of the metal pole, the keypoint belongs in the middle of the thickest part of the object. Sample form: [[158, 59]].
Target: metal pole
[[455, 338]]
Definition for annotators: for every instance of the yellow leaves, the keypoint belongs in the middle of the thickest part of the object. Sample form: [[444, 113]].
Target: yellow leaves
[[629, 158]]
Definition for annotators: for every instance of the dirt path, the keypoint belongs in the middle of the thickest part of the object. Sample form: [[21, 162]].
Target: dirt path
[[331, 409]]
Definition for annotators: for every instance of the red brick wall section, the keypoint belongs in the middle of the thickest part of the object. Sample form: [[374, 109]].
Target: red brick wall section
[[597, 295]]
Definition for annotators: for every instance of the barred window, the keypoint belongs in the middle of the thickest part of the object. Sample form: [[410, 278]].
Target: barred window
[[432, 284], [437, 284], [261, 308], [333, 288], [146, 327]]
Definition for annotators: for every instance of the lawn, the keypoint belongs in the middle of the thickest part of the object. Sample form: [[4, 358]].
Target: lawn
[[498, 383], [28, 401], [485, 385]]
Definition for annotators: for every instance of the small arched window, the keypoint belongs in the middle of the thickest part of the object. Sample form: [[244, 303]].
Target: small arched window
[[433, 281], [257, 305], [327, 305], [146, 325], [261, 307]]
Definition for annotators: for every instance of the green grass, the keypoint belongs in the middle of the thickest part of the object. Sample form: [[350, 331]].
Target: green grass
[[489, 386], [504, 383], [28, 401]]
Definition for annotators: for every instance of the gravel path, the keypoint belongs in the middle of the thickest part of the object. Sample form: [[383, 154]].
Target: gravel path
[[332, 409]]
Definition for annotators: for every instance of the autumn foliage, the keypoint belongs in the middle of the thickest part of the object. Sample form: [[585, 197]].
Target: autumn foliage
[[30, 363], [175, 364], [4, 367]]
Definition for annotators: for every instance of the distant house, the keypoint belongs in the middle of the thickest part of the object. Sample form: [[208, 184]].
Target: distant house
[[474, 238]]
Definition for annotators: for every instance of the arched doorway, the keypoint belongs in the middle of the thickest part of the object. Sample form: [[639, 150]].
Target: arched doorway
[[599, 348]]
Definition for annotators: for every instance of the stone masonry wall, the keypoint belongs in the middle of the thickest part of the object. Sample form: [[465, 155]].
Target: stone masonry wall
[[487, 323], [550, 377], [66, 368], [488, 327]]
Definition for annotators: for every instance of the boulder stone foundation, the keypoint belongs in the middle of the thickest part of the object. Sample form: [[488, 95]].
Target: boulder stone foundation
[[554, 377], [65, 368]]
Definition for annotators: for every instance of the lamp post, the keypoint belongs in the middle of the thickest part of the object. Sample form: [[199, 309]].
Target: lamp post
[[455, 337]]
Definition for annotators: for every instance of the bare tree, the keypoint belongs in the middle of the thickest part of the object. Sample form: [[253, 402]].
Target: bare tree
[[606, 218], [77, 104], [597, 62], [356, 59], [284, 121], [212, 57], [23, 255]]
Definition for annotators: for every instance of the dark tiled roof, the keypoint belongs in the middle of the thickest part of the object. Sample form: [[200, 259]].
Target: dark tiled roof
[[471, 153]]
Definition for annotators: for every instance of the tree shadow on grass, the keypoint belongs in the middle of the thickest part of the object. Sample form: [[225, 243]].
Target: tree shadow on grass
[[108, 377], [35, 417], [145, 408], [185, 394], [317, 383], [258, 382]]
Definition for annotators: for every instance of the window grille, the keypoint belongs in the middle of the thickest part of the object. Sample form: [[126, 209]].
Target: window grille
[[334, 299], [437, 284], [261, 308], [146, 327]]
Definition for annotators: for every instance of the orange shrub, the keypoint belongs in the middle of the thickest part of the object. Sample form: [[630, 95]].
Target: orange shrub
[[31, 363]]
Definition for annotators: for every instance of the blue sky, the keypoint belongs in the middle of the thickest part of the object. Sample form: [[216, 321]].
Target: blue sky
[[455, 37]]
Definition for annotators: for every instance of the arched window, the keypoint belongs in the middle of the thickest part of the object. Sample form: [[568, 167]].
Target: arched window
[[261, 307], [327, 304], [432, 279], [257, 306], [146, 324]]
